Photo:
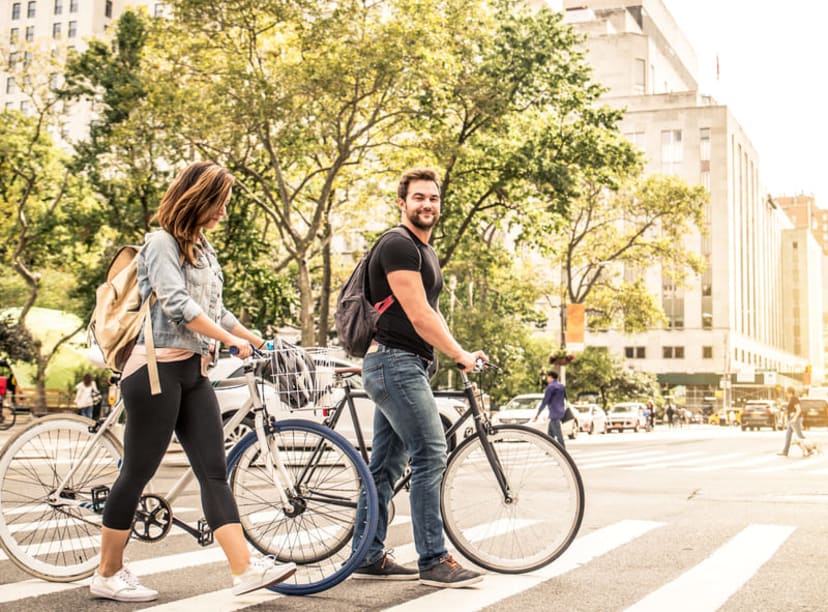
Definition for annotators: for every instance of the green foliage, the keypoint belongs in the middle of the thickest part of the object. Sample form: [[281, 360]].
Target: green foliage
[[16, 342], [596, 371]]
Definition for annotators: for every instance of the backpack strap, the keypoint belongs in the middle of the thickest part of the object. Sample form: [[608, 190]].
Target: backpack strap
[[149, 344]]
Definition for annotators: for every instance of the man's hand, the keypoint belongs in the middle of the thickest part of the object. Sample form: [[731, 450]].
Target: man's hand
[[467, 361]]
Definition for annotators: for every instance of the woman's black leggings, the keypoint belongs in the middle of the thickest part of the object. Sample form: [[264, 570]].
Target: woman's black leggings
[[187, 405]]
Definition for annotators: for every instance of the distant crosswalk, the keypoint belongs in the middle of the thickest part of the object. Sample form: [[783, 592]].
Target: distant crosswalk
[[696, 461], [705, 586]]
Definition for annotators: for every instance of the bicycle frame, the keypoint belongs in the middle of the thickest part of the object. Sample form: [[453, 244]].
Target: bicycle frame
[[482, 426], [277, 470]]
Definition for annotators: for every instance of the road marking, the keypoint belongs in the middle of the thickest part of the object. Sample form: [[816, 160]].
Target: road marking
[[630, 458], [496, 587], [672, 461], [738, 464], [708, 585]]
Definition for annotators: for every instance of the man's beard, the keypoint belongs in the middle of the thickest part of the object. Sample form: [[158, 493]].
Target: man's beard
[[414, 217]]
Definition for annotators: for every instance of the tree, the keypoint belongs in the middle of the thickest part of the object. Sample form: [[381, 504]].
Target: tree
[[596, 371], [48, 208]]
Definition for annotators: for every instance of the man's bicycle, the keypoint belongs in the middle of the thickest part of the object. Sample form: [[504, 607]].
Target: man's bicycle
[[296, 483], [512, 498]]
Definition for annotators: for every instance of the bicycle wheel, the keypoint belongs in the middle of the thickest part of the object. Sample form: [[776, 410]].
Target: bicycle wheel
[[54, 540], [7, 416], [540, 521], [316, 531]]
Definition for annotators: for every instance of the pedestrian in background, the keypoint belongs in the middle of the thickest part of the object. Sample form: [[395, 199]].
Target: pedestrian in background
[[794, 412], [554, 400], [86, 393]]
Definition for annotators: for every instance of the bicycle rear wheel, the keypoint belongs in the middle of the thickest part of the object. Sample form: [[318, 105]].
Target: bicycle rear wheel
[[543, 516], [316, 531], [55, 539]]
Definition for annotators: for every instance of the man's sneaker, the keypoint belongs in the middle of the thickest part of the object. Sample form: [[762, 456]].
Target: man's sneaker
[[121, 586], [262, 572], [386, 569], [448, 574]]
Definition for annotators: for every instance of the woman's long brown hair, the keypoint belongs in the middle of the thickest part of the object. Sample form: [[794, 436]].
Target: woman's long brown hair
[[191, 200]]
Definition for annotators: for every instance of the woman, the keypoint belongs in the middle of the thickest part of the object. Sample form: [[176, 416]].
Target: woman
[[794, 412], [179, 266], [85, 395]]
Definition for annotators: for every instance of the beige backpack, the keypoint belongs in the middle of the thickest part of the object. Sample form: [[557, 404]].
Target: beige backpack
[[119, 315]]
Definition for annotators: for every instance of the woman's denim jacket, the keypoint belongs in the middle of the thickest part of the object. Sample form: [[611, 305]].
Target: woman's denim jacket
[[182, 292]]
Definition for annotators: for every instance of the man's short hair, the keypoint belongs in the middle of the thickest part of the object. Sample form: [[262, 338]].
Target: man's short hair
[[416, 174], [553, 374]]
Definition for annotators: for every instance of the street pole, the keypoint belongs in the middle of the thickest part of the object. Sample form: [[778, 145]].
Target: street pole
[[562, 368], [452, 300]]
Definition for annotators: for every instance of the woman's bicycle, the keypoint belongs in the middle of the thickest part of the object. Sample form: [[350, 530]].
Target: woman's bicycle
[[512, 499], [296, 483]]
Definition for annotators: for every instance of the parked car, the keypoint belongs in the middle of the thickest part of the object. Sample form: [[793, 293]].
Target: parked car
[[761, 413], [814, 412], [231, 390], [592, 418], [521, 409], [627, 415]]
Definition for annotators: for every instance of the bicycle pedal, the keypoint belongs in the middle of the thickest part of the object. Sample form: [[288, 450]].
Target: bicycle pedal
[[99, 497], [205, 534]]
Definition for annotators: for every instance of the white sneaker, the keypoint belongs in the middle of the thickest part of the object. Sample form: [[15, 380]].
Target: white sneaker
[[122, 586], [262, 572]]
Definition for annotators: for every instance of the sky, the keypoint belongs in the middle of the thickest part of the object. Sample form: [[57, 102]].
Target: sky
[[773, 76]]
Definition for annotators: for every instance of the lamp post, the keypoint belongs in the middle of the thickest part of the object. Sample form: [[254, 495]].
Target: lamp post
[[452, 301]]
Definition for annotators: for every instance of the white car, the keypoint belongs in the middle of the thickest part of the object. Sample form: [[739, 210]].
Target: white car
[[627, 415], [231, 390], [592, 418], [521, 409]]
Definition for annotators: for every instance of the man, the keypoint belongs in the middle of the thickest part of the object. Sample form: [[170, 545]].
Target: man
[[794, 411], [554, 400], [394, 372]]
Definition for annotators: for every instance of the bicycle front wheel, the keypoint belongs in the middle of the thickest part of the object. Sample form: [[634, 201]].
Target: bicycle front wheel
[[541, 518], [315, 530], [55, 539]]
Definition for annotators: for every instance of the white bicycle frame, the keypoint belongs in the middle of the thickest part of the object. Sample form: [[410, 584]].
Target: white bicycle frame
[[276, 470]]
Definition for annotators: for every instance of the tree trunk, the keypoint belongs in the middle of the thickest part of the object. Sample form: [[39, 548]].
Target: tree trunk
[[306, 318], [325, 290]]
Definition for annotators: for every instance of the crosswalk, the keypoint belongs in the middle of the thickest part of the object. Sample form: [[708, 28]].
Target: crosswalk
[[697, 461], [706, 586]]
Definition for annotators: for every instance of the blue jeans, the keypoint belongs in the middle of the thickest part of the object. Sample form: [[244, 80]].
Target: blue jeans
[[406, 426], [86, 411], [793, 425], [555, 432]]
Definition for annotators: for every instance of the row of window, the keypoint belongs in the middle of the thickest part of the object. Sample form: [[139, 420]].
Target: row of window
[[31, 8], [57, 31], [11, 84], [667, 352]]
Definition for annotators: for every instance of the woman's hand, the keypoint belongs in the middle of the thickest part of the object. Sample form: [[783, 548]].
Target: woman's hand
[[242, 345]]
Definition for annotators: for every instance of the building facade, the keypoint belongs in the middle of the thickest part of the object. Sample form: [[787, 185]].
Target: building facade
[[729, 332]]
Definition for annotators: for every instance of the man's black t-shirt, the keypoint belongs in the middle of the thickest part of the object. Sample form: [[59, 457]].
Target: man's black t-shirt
[[394, 252]]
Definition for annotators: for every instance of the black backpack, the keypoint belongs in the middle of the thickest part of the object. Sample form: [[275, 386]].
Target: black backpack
[[355, 317]]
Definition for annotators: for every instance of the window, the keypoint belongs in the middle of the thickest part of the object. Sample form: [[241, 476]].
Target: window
[[25, 106], [11, 86], [629, 352], [678, 351], [639, 77], [707, 352], [672, 352], [14, 58], [636, 138], [108, 8], [14, 34], [73, 6], [9, 105], [640, 352], [58, 7], [704, 144], [672, 154], [27, 58], [30, 10], [56, 30], [29, 33], [16, 10], [73, 29], [158, 10]]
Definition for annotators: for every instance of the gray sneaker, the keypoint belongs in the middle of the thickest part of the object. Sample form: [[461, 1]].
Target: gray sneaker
[[447, 573], [385, 569]]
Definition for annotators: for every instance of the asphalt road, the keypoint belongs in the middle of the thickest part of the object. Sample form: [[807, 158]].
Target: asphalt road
[[700, 518]]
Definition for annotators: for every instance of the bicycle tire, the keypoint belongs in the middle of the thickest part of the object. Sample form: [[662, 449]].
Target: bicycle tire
[[318, 536], [8, 416], [59, 544], [541, 521]]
